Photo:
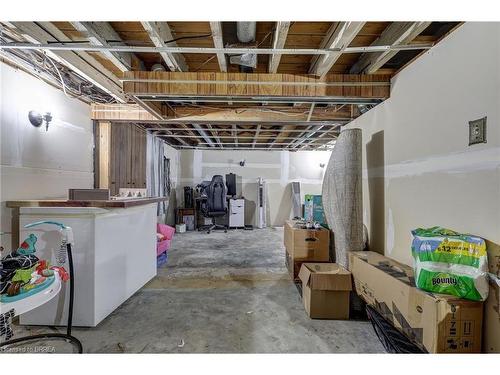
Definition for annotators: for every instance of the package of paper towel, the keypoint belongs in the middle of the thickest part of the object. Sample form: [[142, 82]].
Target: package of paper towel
[[450, 263]]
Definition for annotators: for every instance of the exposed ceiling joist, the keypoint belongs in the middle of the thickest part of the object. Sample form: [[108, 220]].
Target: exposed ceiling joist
[[202, 113], [99, 34], [279, 40], [260, 148], [397, 33], [265, 100], [309, 116], [339, 37], [260, 132], [161, 36], [229, 123], [82, 63], [216, 28], [156, 112], [245, 137], [271, 88]]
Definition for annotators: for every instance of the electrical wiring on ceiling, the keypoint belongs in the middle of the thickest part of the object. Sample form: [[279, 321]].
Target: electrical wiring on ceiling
[[43, 67], [133, 42]]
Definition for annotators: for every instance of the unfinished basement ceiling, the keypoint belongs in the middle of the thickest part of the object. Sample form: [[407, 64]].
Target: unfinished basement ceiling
[[310, 78]]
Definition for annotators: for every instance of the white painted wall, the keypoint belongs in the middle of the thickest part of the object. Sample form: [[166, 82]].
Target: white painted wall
[[419, 170], [36, 164], [278, 168]]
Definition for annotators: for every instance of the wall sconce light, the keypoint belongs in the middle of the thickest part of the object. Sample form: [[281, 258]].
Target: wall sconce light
[[36, 119], [322, 165], [242, 163]]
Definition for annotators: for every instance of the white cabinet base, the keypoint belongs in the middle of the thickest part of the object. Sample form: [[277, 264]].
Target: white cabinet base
[[236, 213], [114, 256]]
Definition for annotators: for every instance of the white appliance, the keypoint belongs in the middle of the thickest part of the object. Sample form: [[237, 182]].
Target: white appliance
[[261, 203], [114, 255], [236, 213], [296, 202]]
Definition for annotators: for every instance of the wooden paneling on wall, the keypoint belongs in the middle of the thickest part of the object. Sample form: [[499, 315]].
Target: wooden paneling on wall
[[121, 156]]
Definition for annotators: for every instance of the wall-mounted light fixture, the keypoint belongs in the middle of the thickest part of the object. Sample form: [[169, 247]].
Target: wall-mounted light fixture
[[242, 163], [322, 165], [37, 119]]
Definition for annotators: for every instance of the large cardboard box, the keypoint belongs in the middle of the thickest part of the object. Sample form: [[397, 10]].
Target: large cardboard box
[[325, 290], [437, 323], [305, 245], [491, 322]]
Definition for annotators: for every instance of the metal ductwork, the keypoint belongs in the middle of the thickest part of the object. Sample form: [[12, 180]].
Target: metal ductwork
[[247, 60], [245, 31], [204, 135], [158, 68], [363, 108]]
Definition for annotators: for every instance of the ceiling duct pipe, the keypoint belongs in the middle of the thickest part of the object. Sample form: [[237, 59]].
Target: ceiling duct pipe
[[245, 32], [204, 135], [158, 68]]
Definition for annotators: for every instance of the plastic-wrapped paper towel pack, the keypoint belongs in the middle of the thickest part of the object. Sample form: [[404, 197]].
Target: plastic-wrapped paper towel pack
[[450, 263]]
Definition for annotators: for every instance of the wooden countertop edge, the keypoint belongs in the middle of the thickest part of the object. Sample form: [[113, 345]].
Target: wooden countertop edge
[[91, 203]]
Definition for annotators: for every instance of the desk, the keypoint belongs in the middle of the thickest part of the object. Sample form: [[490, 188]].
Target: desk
[[181, 212]]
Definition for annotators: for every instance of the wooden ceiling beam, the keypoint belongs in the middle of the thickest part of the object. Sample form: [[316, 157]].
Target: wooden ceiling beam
[[159, 33], [80, 62], [203, 85], [279, 40], [339, 36], [110, 112], [216, 28], [99, 34], [199, 114], [397, 33]]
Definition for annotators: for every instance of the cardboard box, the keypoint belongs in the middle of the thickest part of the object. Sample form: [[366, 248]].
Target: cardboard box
[[293, 266], [491, 321], [437, 323], [305, 245], [325, 290]]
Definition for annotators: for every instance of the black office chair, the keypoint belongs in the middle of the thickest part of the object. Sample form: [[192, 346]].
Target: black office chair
[[215, 204]]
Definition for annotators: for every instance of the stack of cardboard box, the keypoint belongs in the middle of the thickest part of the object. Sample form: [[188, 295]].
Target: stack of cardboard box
[[325, 286], [435, 323], [305, 245]]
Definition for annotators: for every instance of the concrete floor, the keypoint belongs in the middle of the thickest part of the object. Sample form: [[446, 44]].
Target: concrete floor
[[221, 293]]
